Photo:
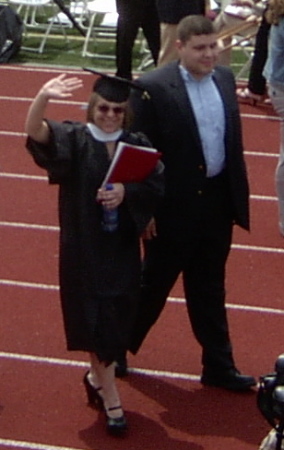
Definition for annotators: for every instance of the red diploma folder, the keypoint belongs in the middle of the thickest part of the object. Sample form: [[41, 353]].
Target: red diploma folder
[[131, 163]]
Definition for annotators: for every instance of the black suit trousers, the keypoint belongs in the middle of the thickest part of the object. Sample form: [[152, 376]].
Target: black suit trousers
[[133, 15], [201, 260]]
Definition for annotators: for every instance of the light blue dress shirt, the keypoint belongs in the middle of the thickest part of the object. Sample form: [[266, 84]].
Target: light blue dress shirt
[[209, 112], [274, 67]]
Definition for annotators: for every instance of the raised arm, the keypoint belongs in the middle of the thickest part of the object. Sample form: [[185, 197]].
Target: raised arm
[[56, 88]]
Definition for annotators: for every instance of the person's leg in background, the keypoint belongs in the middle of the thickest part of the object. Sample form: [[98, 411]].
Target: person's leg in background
[[129, 19], [150, 25], [224, 22], [168, 50], [256, 82], [256, 88]]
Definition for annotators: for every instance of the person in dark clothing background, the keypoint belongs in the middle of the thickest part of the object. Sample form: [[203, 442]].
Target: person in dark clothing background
[[170, 12], [135, 14], [256, 88]]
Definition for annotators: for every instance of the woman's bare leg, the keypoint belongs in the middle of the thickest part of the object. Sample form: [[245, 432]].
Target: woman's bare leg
[[104, 376]]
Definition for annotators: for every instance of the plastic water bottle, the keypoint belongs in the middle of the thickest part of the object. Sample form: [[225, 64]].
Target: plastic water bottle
[[110, 216]]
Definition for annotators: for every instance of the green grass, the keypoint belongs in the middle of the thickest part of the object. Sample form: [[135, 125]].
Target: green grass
[[58, 52]]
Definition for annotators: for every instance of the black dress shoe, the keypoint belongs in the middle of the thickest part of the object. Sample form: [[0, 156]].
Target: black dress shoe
[[232, 380], [121, 367], [116, 426], [94, 398]]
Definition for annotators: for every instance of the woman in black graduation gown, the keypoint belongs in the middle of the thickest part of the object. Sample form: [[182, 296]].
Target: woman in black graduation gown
[[99, 270]]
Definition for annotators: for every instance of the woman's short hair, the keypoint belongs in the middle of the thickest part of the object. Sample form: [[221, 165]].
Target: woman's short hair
[[194, 25]]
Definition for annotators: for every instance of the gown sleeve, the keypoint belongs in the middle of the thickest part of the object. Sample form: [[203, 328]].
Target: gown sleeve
[[56, 156]]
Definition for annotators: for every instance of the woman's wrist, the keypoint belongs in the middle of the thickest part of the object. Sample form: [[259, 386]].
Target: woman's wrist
[[43, 95]]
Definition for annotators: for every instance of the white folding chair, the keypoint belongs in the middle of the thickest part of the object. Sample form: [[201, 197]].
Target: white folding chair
[[29, 10], [102, 20], [146, 55], [77, 9]]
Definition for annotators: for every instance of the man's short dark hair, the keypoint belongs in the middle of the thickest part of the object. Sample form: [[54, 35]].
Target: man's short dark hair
[[194, 25]]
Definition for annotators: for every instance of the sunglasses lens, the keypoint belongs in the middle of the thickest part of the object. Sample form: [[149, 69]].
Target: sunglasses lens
[[116, 109], [103, 108]]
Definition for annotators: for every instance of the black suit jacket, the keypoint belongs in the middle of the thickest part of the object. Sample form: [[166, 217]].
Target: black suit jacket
[[168, 120]]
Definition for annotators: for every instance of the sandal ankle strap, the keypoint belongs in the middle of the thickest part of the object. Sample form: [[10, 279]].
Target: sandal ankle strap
[[112, 408]]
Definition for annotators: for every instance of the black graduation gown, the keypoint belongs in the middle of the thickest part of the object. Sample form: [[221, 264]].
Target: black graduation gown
[[99, 271]]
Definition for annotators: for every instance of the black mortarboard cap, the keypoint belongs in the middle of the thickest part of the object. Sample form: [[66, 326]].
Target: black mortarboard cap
[[113, 88]]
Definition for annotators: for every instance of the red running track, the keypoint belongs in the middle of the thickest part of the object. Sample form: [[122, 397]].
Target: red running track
[[43, 404]]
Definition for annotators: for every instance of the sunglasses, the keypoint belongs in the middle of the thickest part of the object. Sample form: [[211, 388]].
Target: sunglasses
[[115, 109]]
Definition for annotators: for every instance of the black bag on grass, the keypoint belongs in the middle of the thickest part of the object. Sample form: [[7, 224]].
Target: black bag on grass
[[11, 30]]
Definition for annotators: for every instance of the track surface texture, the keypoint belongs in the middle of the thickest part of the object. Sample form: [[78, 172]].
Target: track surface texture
[[43, 403]]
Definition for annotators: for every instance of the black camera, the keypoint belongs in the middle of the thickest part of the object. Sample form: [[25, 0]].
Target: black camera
[[270, 399]]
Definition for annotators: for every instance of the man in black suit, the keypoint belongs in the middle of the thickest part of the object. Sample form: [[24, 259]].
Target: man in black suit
[[192, 117]]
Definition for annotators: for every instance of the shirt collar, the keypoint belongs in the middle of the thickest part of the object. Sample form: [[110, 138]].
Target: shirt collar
[[187, 75]]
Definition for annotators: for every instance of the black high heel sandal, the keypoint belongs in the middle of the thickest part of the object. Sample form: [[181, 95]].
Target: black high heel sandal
[[116, 426], [94, 398]]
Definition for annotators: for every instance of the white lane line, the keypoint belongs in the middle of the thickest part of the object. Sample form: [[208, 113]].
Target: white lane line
[[264, 154], [19, 176], [23, 177], [260, 116], [29, 226], [26, 284], [164, 373], [68, 363], [12, 133], [28, 99], [32, 445], [41, 69], [244, 308], [261, 309], [268, 198], [246, 152], [51, 287], [255, 248], [43, 359]]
